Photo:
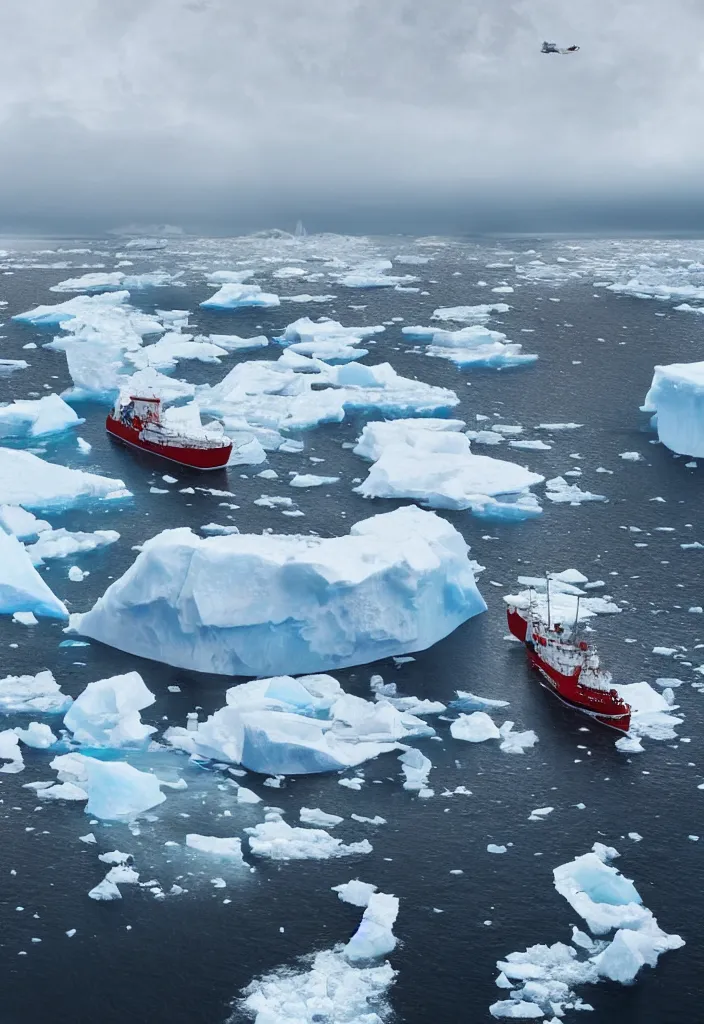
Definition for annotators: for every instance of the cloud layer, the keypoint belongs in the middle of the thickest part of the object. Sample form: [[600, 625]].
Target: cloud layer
[[226, 113]]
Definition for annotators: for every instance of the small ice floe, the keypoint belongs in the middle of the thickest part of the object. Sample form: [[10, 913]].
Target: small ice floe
[[437, 467], [493, 848], [311, 480], [329, 984], [651, 715], [471, 702], [25, 618], [239, 296], [568, 597], [516, 742], [469, 314], [355, 892], [63, 543], [107, 713], [32, 694], [552, 427], [233, 342], [558, 490], [416, 768], [388, 693], [314, 816], [277, 840], [327, 339], [114, 790], [10, 752], [540, 813], [542, 979], [297, 727], [373, 274], [90, 283], [631, 456], [473, 346], [37, 734], [217, 847], [474, 728], [37, 417], [8, 366]]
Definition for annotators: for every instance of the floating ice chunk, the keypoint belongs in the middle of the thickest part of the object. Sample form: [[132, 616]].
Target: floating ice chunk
[[374, 938], [559, 426], [277, 840], [311, 480], [90, 283], [40, 693], [650, 711], [600, 894], [438, 469], [170, 349], [326, 987], [475, 728], [416, 768], [473, 346], [22, 589], [493, 848], [630, 950], [540, 813], [631, 456], [76, 574], [509, 1009], [377, 436], [326, 339], [471, 702], [27, 480], [62, 543], [105, 890], [372, 274], [355, 892], [285, 272], [468, 314], [314, 816], [37, 417], [237, 296], [233, 343], [114, 789], [8, 366], [229, 276], [107, 713], [629, 745], [37, 734], [560, 491], [398, 583], [22, 524], [114, 857], [676, 397], [230, 848], [10, 752], [516, 742], [25, 618]]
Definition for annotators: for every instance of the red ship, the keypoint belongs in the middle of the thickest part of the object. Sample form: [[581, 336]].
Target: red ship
[[569, 666], [138, 422]]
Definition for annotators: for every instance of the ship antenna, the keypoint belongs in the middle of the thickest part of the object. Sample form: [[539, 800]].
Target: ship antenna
[[576, 615], [547, 582]]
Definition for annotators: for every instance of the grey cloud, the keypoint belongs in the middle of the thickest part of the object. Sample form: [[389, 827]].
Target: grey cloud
[[227, 115]]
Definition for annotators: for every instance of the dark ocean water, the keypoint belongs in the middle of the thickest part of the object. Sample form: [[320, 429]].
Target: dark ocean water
[[184, 959]]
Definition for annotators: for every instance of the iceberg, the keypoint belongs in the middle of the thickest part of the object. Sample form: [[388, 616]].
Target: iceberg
[[170, 349], [438, 468], [398, 583], [599, 893], [277, 840], [31, 694], [22, 589], [37, 417], [473, 346], [676, 397], [217, 847], [20, 523], [37, 735], [286, 726], [62, 543], [27, 480], [326, 339], [107, 713], [475, 728], [114, 790], [374, 938], [238, 296], [630, 950]]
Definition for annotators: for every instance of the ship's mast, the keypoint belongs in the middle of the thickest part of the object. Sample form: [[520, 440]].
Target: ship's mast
[[547, 585]]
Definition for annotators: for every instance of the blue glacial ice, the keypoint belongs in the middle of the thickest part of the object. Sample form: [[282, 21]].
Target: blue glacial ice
[[22, 589], [676, 397], [437, 468], [286, 726], [473, 346], [398, 583], [239, 296], [114, 790], [107, 713], [37, 417]]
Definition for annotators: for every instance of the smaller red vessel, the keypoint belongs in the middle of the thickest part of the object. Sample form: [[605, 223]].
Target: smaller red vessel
[[138, 422], [569, 665]]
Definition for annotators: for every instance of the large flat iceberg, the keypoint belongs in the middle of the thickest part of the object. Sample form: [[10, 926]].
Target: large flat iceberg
[[27, 480], [676, 397], [438, 468], [266, 604]]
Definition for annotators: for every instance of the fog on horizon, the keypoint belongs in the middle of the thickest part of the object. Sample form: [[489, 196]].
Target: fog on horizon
[[352, 115]]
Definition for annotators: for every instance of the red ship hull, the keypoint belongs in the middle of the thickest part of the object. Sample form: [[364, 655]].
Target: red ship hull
[[603, 705], [195, 458]]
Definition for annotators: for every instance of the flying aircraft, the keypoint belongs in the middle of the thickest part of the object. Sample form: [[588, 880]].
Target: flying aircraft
[[554, 48]]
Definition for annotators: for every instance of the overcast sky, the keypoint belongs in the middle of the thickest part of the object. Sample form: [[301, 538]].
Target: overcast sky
[[397, 114]]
